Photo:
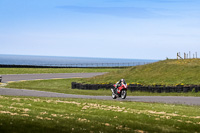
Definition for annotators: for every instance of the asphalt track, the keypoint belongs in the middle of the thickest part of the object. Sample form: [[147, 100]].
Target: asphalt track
[[24, 92], [19, 77]]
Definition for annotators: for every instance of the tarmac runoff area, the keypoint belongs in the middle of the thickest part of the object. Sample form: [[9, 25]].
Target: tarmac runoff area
[[24, 92]]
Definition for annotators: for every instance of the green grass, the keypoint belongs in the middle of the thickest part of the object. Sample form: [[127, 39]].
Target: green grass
[[30, 114], [64, 86], [167, 72], [54, 70], [55, 85]]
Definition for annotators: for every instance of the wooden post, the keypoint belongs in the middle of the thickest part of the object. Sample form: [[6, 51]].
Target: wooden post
[[189, 54], [177, 56]]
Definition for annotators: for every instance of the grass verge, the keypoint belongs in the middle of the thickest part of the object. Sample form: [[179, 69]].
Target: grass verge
[[54, 70], [64, 86], [29, 114]]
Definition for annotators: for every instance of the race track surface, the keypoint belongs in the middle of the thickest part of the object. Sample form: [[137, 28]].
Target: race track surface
[[23, 92], [18, 77], [160, 99]]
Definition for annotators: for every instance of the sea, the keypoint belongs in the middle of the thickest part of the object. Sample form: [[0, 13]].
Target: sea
[[62, 61]]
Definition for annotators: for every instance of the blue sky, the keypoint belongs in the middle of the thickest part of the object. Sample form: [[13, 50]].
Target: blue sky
[[137, 29]]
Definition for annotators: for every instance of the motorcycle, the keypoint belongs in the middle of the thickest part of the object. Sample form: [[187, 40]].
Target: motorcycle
[[121, 91]]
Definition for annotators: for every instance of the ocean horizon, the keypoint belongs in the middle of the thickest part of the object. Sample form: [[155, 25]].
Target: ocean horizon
[[69, 61]]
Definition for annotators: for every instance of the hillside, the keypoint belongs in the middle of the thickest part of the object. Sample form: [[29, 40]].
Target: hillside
[[167, 72]]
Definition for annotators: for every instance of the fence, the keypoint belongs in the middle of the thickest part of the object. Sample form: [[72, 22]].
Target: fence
[[136, 87], [187, 55], [77, 65]]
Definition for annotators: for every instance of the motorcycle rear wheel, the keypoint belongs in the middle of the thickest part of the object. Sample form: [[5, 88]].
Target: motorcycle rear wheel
[[123, 94]]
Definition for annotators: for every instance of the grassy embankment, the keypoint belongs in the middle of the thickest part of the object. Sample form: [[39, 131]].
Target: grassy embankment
[[53, 70], [168, 72], [28, 114]]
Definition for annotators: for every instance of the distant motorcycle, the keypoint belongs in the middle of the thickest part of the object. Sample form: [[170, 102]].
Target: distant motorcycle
[[121, 91]]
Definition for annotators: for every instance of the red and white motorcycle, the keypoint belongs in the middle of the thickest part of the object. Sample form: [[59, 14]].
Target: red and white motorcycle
[[121, 91]]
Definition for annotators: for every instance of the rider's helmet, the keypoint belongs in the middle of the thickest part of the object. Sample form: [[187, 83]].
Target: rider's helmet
[[122, 80]]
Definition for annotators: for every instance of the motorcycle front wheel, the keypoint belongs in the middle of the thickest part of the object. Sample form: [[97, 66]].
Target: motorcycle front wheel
[[123, 94], [114, 96]]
